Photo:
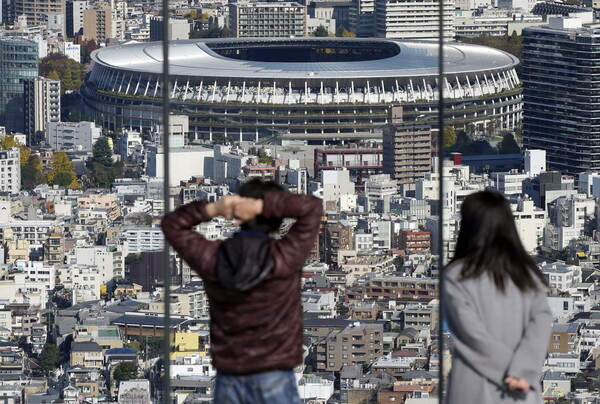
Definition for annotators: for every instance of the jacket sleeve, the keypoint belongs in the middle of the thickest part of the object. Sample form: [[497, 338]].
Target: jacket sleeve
[[196, 250], [528, 359], [482, 351], [299, 240]]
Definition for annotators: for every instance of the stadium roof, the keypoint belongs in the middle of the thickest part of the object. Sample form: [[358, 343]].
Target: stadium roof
[[196, 58]]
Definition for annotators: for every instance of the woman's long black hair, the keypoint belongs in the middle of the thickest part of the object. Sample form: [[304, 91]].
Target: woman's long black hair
[[488, 242]]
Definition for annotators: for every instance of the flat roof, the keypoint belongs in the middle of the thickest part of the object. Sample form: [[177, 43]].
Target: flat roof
[[194, 58]]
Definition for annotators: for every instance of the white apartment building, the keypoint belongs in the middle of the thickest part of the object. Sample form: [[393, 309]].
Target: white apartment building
[[379, 188], [110, 260], [192, 302], [42, 103], [535, 161], [130, 141], [336, 184], [560, 275], [10, 170], [530, 222], [37, 272], [30, 283], [193, 365], [319, 303], [36, 232], [142, 239], [508, 183], [86, 282], [563, 363], [568, 216], [184, 163], [79, 136], [363, 241], [410, 19]]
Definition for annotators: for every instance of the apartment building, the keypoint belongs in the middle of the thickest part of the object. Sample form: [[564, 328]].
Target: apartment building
[[285, 19], [358, 343]]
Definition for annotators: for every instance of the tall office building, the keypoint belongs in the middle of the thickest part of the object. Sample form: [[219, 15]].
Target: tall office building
[[97, 23], [74, 23], [411, 19], [18, 61], [42, 104], [406, 148], [35, 10], [362, 18], [561, 93], [105, 20], [267, 20]]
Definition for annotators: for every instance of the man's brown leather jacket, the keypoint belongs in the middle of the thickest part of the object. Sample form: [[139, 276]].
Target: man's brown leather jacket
[[259, 329]]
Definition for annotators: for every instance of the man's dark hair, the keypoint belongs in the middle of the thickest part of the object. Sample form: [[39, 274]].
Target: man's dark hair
[[257, 188]]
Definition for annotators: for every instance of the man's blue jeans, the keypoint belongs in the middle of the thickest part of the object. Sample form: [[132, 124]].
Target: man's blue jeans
[[273, 387]]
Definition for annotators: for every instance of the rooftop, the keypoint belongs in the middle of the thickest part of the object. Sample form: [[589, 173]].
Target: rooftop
[[198, 57]]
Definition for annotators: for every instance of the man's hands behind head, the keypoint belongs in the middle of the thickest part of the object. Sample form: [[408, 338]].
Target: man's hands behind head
[[236, 207], [246, 209]]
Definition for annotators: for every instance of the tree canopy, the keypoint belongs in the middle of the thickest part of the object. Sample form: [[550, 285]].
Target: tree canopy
[[49, 358], [104, 169], [57, 66], [125, 371], [31, 173], [341, 31], [449, 136], [321, 31], [508, 145], [63, 171]]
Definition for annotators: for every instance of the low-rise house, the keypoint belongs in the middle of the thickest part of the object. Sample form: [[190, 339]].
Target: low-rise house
[[563, 363], [555, 385], [86, 354]]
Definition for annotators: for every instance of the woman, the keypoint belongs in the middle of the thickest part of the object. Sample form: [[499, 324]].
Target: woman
[[495, 306]]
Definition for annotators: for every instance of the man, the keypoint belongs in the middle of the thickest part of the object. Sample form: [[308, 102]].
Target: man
[[253, 285]]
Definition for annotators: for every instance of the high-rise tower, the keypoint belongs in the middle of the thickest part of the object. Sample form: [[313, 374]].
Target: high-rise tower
[[561, 93], [18, 62]]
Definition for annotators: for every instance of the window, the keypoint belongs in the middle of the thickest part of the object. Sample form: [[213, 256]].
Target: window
[[555, 346], [556, 337]]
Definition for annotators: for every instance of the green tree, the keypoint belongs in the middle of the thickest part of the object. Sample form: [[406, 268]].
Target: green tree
[[321, 31], [60, 67], [102, 152], [193, 14], [31, 173], [398, 263], [125, 371], [62, 172], [508, 145], [449, 136], [53, 75], [90, 46], [341, 31], [49, 358]]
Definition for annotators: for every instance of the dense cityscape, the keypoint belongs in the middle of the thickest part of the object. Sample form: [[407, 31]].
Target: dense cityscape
[[335, 99]]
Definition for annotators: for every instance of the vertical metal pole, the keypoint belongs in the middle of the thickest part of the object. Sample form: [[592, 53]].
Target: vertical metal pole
[[440, 147], [166, 382]]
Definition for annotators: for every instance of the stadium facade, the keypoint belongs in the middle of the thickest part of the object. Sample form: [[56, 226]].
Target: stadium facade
[[301, 88]]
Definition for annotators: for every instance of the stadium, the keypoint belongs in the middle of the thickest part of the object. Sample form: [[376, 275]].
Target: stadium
[[317, 89]]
